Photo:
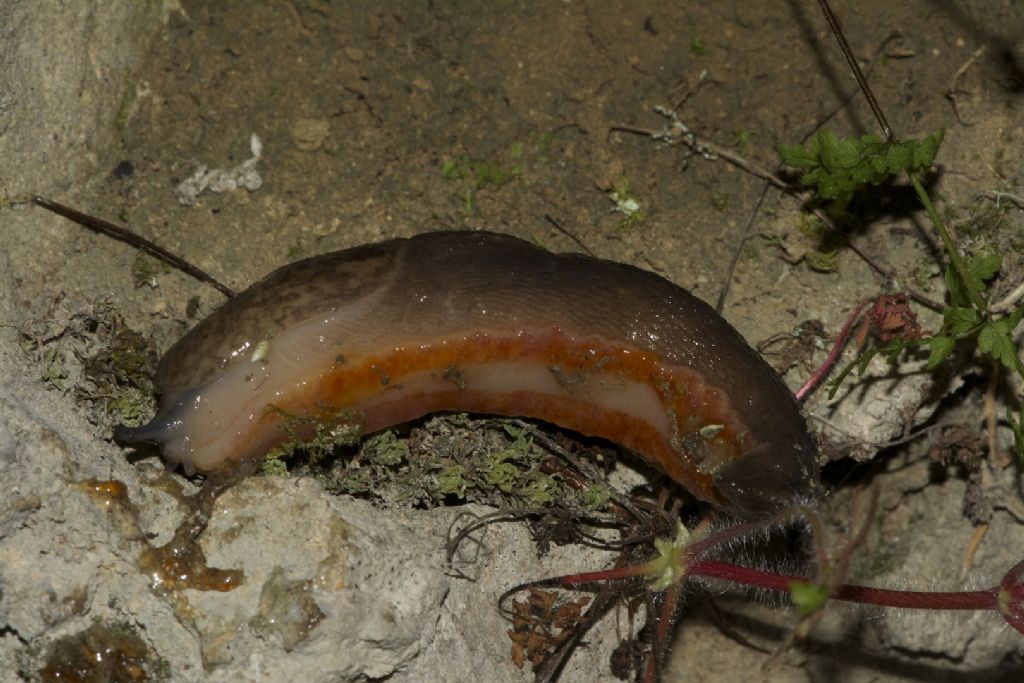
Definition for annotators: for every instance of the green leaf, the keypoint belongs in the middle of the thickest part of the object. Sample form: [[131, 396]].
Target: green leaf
[[838, 154], [1013, 319], [795, 156], [984, 266], [959, 321], [941, 347], [987, 339], [995, 340], [899, 156], [926, 150], [839, 167]]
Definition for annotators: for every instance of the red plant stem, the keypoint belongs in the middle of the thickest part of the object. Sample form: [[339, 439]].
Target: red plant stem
[[833, 355], [958, 600], [662, 636], [627, 572]]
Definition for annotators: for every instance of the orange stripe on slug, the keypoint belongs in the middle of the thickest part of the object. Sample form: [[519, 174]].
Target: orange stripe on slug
[[584, 371]]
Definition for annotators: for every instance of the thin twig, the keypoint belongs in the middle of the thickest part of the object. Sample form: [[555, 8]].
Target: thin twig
[[996, 196], [820, 123], [701, 79], [891, 275], [857, 73], [568, 234], [970, 551], [720, 304], [128, 237], [954, 84], [680, 132]]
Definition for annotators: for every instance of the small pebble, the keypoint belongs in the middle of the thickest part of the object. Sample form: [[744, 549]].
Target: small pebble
[[310, 134]]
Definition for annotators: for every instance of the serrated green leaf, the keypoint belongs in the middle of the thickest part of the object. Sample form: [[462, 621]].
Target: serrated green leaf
[[1014, 319], [941, 346], [925, 151], [1003, 326], [825, 143], [839, 154], [839, 167], [831, 187], [998, 344], [860, 175], [959, 320], [795, 156], [984, 266], [811, 179], [987, 339], [899, 157]]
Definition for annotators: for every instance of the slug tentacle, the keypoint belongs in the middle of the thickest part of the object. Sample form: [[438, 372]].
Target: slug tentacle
[[487, 323]]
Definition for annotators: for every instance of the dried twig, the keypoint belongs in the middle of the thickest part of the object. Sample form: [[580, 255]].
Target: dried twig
[[954, 84], [128, 237]]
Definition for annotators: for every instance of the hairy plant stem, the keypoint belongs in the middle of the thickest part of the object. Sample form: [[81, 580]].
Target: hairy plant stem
[[952, 600], [883, 597]]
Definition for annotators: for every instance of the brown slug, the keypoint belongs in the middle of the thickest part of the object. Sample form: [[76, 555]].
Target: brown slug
[[486, 323]]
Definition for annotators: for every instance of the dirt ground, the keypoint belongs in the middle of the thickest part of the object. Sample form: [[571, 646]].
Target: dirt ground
[[388, 119]]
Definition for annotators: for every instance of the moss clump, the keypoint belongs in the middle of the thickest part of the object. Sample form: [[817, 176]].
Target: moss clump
[[92, 353]]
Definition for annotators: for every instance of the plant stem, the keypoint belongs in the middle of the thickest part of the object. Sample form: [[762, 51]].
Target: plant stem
[[947, 240], [954, 254], [833, 355], [955, 600], [614, 574]]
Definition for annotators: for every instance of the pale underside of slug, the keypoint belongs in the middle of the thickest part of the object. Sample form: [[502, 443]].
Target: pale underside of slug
[[486, 323]]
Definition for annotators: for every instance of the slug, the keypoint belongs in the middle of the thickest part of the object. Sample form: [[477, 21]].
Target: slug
[[486, 323]]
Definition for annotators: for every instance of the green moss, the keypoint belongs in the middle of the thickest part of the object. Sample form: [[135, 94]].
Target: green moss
[[452, 459], [93, 354], [596, 497], [386, 450], [55, 372], [475, 175], [451, 481], [539, 489], [825, 258], [314, 436], [146, 269], [627, 204], [743, 139]]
